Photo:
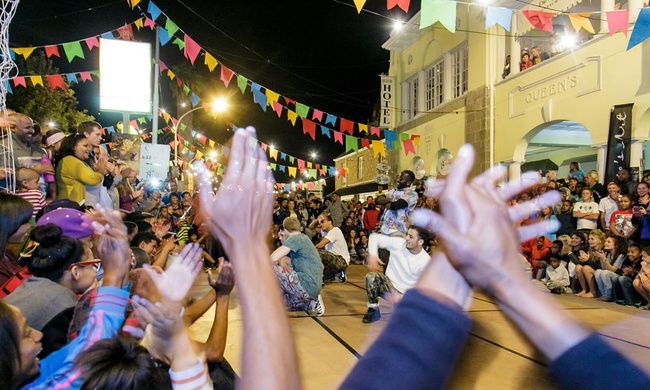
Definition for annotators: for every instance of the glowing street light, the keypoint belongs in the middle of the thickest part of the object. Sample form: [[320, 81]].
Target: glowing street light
[[218, 105]]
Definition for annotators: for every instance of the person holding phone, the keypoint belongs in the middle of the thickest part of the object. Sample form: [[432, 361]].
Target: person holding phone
[[620, 223]]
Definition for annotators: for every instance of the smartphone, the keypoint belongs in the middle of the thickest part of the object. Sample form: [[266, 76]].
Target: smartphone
[[636, 211]]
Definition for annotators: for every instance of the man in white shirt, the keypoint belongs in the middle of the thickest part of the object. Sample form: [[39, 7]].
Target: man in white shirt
[[609, 204], [333, 249], [407, 261]]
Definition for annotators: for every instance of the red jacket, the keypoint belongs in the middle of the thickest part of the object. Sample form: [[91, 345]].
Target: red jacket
[[534, 253]]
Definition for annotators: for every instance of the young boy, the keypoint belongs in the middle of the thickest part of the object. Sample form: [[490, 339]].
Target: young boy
[[557, 277], [27, 183]]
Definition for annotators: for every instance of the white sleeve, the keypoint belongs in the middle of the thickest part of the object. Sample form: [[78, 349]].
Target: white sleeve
[[376, 241]]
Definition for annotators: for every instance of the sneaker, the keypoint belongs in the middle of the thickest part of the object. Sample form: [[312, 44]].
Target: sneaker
[[341, 276], [604, 298], [319, 309], [371, 316]]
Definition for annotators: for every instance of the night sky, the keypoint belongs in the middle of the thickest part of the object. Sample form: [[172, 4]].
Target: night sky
[[320, 53]]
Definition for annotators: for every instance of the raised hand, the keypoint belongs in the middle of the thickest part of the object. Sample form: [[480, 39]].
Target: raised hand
[[375, 264], [240, 211], [174, 283], [225, 281]]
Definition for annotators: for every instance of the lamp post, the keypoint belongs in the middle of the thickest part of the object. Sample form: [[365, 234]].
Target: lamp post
[[218, 105]]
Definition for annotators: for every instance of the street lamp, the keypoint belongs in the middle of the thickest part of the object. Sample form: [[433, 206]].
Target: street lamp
[[218, 105]]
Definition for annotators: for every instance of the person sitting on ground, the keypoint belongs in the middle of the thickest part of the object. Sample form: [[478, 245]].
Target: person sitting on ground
[[408, 258], [623, 291], [332, 248], [477, 230], [298, 268], [589, 263], [611, 260], [642, 281], [557, 277]]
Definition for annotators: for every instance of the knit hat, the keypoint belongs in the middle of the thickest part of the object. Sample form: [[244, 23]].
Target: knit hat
[[68, 220]]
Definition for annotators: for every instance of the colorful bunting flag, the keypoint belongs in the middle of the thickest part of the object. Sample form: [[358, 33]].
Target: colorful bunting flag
[[52, 51], [347, 126], [378, 148], [500, 16], [539, 19], [242, 82], [641, 30], [226, 75], [126, 32], [192, 49], [171, 27], [20, 81], [24, 51], [579, 21], [153, 10], [55, 81], [73, 50], [443, 11], [91, 42], [403, 4], [617, 21], [163, 36], [351, 143], [302, 110], [359, 4], [309, 127], [317, 115], [209, 61], [291, 116]]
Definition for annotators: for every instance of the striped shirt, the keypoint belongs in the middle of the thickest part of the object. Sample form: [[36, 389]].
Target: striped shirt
[[35, 197]]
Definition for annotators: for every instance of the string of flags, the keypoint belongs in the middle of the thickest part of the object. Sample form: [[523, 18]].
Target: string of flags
[[54, 81]]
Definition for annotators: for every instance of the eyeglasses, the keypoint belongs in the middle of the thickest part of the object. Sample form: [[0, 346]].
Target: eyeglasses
[[90, 263]]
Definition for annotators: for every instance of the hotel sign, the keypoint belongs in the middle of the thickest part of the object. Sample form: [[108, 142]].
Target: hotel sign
[[387, 101], [576, 81]]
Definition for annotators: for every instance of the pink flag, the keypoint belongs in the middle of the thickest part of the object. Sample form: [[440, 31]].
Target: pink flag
[[617, 20], [226, 75], [301, 164], [149, 23], [19, 81], [338, 137], [134, 123], [191, 49], [317, 115], [408, 146], [263, 145], [288, 101], [92, 42], [374, 130], [161, 65], [85, 76], [277, 107], [539, 19]]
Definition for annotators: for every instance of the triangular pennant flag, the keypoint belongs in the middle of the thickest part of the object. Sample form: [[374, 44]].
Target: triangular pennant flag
[[153, 10], [277, 107], [347, 126], [312, 173], [8, 87], [210, 61], [72, 50], [359, 4], [416, 139], [309, 127], [292, 159], [500, 16], [283, 156], [408, 146], [317, 115], [211, 143], [255, 86], [133, 3], [142, 120], [202, 140], [443, 11], [617, 21], [273, 166], [194, 99], [91, 42], [390, 137], [331, 119], [24, 51], [55, 81], [186, 89], [179, 43], [85, 76], [36, 80], [52, 51], [126, 32], [378, 148], [302, 110], [365, 143], [260, 98], [110, 129], [292, 171], [374, 130], [338, 137], [351, 143], [71, 78], [226, 75], [272, 97], [324, 130], [363, 128], [273, 153], [310, 185], [149, 23], [107, 35], [581, 20], [163, 36], [301, 164], [288, 101], [641, 30], [403, 4], [139, 23], [242, 82], [161, 66], [539, 19], [291, 116], [171, 27], [192, 49], [192, 133]]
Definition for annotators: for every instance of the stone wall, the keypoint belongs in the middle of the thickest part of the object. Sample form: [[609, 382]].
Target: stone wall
[[477, 130]]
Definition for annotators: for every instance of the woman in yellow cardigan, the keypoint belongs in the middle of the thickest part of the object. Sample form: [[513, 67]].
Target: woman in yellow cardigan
[[73, 174]]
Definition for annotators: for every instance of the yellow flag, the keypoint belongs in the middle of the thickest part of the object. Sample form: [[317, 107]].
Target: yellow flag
[[291, 115], [359, 4], [170, 74], [273, 153], [198, 155], [210, 61], [133, 3], [363, 127], [36, 80], [378, 148], [581, 21], [24, 51], [166, 117], [271, 97], [309, 164], [292, 171], [139, 23], [211, 142]]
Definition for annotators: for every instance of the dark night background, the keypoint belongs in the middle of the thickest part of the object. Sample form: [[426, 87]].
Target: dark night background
[[320, 53]]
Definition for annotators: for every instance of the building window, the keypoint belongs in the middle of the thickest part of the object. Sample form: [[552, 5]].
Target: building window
[[411, 103], [459, 71], [435, 77], [360, 168]]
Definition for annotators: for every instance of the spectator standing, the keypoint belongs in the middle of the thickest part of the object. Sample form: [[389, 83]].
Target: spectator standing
[[27, 188], [586, 211], [73, 174], [337, 210], [609, 204]]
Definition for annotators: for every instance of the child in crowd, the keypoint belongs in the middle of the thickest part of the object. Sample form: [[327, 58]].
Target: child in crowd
[[27, 183], [557, 277], [623, 291], [620, 223]]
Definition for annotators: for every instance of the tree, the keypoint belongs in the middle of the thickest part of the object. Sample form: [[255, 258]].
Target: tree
[[43, 104]]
